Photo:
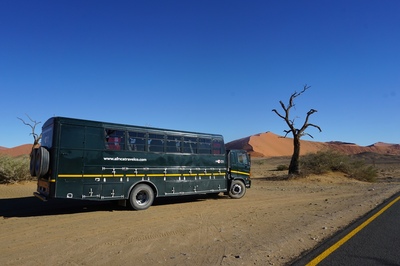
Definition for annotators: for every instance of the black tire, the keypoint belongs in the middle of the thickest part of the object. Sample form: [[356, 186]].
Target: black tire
[[32, 163], [237, 189], [141, 197], [42, 162]]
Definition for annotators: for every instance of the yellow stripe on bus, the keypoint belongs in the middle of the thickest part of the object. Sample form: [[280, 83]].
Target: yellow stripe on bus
[[70, 175], [138, 175], [135, 175], [111, 175], [88, 176], [238, 172]]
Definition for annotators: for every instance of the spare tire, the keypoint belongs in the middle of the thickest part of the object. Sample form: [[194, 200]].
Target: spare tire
[[32, 163], [42, 162]]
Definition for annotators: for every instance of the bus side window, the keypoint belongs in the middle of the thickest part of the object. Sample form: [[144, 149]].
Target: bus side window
[[217, 146], [114, 139], [156, 142], [189, 145], [136, 141], [204, 146], [173, 144]]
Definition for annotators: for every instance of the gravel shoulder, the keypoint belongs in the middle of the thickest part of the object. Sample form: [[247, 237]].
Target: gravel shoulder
[[273, 224]]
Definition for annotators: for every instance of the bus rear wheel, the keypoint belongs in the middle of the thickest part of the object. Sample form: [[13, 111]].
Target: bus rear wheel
[[141, 197], [237, 189]]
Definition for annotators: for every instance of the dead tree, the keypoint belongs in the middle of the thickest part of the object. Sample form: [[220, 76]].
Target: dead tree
[[297, 133], [36, 137]]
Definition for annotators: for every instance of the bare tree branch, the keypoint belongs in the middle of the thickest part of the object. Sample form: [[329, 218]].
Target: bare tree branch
[[281, 116], [283, 106], [295, 95], [36, 137], [308, 135], [312, 125], [287, 132]]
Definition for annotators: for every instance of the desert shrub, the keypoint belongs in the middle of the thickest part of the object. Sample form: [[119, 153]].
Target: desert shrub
[[333, 161], [360, 170], [14, 169], [323, 161]]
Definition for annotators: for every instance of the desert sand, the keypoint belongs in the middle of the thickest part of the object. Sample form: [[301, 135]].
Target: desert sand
[[269, 144], [274, 223]]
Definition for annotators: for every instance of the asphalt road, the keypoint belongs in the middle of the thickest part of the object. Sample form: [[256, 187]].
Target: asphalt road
[[372, 240]]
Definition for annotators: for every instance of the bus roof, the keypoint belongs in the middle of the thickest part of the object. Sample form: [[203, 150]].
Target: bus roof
[[84, 122]]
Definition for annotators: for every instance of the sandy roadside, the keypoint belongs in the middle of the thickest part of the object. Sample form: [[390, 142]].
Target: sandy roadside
[[274, 223]]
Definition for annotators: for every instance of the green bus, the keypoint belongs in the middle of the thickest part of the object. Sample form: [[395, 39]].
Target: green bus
[[90, 160]]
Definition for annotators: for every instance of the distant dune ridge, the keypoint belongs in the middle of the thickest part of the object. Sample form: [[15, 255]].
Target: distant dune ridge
[[17, 151], [269, 144]]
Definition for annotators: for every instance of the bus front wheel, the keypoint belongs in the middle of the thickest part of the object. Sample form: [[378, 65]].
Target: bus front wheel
[[237, 189], [141, 197]]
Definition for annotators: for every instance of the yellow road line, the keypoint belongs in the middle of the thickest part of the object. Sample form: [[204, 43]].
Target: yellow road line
[[335, 246]]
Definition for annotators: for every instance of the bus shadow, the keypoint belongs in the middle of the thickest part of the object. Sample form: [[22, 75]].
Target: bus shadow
[[31, 206], [186, 199]]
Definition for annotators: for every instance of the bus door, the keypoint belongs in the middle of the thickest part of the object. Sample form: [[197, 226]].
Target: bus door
[[239, 165]]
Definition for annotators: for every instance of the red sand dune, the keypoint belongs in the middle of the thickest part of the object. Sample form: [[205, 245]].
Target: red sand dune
[[17, 151], [270, 145]]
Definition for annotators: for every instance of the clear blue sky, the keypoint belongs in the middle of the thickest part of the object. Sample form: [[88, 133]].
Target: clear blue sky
[[207, 66]]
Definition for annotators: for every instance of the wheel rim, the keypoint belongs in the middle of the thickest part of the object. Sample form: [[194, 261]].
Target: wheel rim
[[236, 189], [142, 197]]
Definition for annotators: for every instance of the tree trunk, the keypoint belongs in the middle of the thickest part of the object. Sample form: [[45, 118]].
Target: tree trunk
[[294, 163]]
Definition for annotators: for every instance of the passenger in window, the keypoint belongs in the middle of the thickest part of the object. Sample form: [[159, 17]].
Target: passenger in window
[[240, 158], [113, 143], [133, 144], [178, 145]]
